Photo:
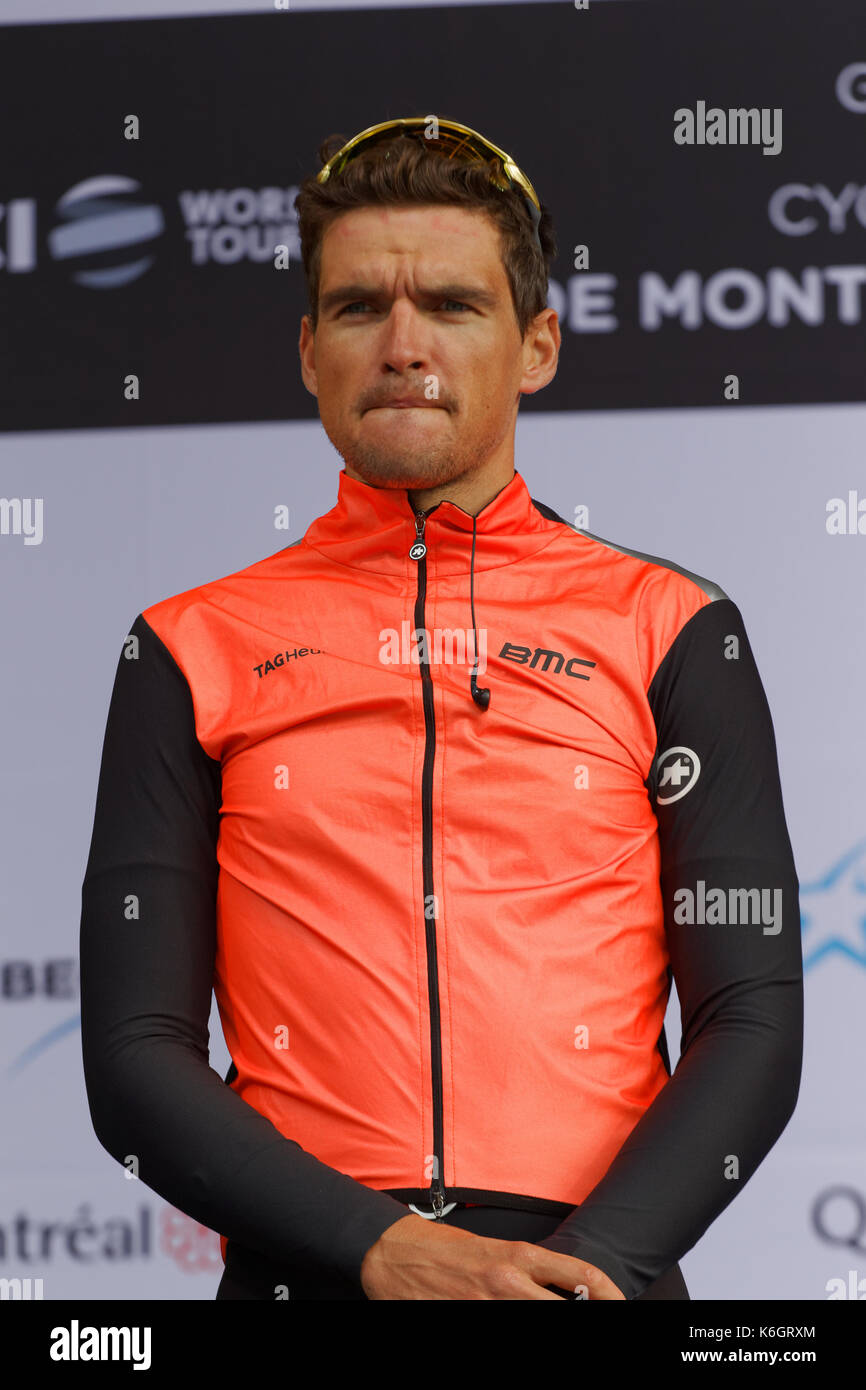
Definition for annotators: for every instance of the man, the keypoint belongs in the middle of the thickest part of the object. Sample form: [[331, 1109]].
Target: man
[[441, 918]]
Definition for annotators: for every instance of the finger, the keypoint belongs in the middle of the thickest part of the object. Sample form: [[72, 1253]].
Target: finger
[[542, 1291], [566, 1271], [592, 1283], [582, 1280], [584, 1292]]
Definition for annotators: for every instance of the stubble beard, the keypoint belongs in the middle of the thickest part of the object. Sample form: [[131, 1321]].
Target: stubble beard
[[414, 467]]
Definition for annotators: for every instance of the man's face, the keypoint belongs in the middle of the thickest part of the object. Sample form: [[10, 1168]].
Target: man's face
[[414, 303]]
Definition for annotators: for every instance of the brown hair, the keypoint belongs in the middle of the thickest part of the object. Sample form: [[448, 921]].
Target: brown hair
[[406, 170]]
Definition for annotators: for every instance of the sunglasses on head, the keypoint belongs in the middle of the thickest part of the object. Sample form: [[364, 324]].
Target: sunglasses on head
[[455, 141]]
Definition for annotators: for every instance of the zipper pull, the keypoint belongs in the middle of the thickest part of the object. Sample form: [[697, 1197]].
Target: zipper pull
[[419, 549], [437, 1201]]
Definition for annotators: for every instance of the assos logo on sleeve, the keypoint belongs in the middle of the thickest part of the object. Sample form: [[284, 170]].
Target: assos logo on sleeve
[[678, 771]]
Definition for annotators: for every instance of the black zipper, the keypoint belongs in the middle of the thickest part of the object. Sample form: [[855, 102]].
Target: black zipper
[[418, 553]]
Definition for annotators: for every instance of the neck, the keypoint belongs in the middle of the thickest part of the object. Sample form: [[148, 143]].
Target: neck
[[468, 492]]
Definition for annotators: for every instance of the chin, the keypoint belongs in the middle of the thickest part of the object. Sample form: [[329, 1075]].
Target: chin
[[403, 472]]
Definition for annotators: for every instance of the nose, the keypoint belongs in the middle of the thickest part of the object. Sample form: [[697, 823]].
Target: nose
[[402, 344]]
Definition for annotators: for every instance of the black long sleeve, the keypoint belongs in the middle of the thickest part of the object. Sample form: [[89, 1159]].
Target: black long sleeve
[[740, 984], [148, 935]]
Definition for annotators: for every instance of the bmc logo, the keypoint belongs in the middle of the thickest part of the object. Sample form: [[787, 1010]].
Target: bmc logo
[[526, 656]]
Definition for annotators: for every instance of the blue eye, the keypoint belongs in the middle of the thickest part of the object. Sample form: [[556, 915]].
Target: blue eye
[[355, 302]]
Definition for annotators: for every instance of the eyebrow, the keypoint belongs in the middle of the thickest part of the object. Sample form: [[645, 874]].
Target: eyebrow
[[472, 294]]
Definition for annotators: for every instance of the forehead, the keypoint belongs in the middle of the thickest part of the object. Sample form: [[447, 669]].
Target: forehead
[[431, 238]]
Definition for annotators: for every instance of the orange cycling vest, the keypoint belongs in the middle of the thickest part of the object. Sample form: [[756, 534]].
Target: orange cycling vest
[[441, 961]]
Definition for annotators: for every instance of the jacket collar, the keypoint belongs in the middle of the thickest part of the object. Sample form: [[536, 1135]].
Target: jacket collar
[[373, 528]]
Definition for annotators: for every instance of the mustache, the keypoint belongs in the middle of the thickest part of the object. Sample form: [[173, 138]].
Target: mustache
[[407, 397]]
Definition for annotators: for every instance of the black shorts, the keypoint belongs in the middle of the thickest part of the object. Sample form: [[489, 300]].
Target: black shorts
[[249, 1274]]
